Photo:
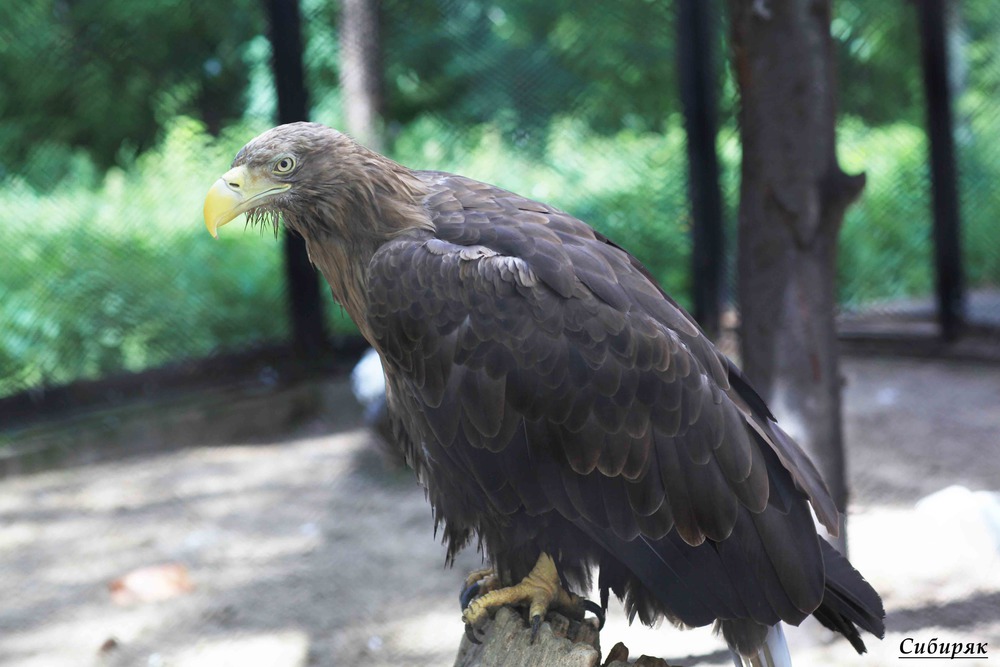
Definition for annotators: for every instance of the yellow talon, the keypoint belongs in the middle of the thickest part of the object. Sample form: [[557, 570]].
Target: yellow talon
[[541, 590], [485, 577]]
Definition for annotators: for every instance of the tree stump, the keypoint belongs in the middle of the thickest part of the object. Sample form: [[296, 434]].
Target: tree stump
[[560, 643]]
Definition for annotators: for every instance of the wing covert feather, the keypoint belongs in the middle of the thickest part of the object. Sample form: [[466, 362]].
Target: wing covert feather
[[548, 366]]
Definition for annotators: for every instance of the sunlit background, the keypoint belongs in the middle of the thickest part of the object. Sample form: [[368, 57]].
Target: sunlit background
[[116, 117]]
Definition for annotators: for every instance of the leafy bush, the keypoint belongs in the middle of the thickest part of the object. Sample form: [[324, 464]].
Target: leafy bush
[[885, 249], [979, 173], [114, 273], [122, 276], [117, 274]]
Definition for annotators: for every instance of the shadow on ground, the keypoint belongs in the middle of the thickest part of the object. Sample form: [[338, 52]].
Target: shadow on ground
[[305, 549]]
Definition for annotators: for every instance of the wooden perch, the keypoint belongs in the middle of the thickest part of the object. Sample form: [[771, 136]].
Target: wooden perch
[[560, 643]]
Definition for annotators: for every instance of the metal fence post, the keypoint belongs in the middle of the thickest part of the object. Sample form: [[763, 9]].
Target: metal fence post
[[697, 87], [944, 181], [306, 308]]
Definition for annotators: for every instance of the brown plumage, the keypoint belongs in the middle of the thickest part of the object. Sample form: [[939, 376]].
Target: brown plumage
[[552, 398]]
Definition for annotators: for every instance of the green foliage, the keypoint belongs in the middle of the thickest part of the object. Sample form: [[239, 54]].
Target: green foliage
[[979, 170], [122, 276], [105, 75], [609, 64], [885, 243], [118, 274], [878, 51], [885, 246], [106, 266]]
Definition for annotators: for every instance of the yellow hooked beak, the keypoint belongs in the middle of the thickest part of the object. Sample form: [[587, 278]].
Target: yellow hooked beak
[[237, 191]]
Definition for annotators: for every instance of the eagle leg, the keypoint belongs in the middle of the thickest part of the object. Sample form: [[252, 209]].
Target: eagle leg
[[541, 590]]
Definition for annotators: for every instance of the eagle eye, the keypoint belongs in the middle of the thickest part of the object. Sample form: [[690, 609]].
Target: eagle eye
[[284, 165]]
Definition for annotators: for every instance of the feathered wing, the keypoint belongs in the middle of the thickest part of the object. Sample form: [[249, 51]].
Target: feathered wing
[[540, 372]]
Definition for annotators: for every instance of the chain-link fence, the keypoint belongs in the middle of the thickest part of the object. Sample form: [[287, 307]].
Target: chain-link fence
[[887, 252], [975, 31], [117, 116], [106, 130]]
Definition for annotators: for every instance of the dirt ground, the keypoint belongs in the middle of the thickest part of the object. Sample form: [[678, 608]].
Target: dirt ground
[[306, 551]]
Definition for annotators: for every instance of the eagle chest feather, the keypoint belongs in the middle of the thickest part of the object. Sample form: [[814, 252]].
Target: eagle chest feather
[[553, 398]]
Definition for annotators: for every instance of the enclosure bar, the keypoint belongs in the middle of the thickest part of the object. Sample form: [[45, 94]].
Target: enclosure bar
[[308, 335], [944, 177], [695, 39]]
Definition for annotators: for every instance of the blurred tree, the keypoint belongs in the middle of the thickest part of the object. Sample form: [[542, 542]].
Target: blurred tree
[[519, 63], [793, 195], [106, 74], [876, 52], [361, 71]]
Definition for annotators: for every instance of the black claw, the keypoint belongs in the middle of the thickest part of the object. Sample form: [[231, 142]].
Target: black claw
[[470, 632], [468, 594], [596, 610], [536, 623]]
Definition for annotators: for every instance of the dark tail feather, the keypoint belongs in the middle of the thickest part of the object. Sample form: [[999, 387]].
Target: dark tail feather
[[848, 600]]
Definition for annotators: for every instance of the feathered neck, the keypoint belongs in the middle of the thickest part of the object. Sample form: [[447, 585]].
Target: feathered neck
[[367, 201]]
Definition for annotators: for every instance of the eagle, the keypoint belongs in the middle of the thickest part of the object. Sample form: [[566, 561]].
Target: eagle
[[558, 406]]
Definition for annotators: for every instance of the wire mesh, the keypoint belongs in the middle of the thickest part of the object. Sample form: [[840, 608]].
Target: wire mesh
[[106, 155], [885, 260], [114, 119], [886, 255], [976, 80], [116, 116]]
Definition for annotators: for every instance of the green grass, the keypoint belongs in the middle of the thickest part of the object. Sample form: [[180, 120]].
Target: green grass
[[115, 272]]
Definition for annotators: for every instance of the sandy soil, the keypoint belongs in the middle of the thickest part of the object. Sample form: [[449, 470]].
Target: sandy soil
[[306, 551]]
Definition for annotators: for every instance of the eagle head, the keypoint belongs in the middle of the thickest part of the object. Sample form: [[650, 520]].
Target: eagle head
[[285, 170], [322, 184]]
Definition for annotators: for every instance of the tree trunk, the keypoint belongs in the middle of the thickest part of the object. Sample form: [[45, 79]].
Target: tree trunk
[[361, 78], [506, 642], [302, 284], [793, 195]]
